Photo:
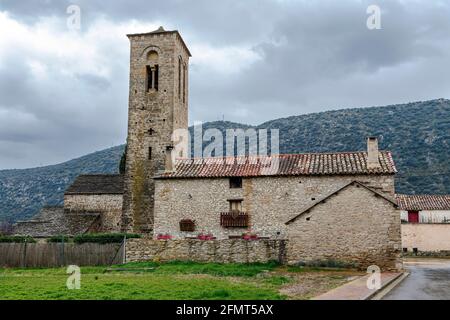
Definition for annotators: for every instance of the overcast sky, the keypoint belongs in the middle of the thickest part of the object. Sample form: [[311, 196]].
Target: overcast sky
[[64, 93]]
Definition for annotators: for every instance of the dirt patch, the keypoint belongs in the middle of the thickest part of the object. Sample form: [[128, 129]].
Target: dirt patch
[[307, 285]]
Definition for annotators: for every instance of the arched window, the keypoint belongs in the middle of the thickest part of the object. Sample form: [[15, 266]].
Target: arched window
[[184, 83], [152, 71], [179, 78], [152, 56]]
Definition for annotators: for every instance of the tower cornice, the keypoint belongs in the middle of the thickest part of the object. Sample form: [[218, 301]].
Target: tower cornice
[[162, 31]]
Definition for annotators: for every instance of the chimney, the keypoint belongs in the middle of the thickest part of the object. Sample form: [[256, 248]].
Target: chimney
[[170, 159], [372, 153]]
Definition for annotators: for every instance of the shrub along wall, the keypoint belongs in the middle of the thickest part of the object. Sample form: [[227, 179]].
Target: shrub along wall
[[104, 237], [94, 238], [221, 251], [16, 239]]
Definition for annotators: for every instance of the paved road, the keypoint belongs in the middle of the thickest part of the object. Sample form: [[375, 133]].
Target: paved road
[[428, 280]]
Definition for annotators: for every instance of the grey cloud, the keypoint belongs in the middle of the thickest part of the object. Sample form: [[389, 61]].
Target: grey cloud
[[325, 57], [93, 81], [218, 21], [315, 56]]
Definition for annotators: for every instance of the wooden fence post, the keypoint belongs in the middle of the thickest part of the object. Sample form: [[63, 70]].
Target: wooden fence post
[[124, 249], [24, 256], [63, 253]]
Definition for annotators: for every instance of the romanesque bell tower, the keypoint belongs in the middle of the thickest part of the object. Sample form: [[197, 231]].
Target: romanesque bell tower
[[158, 105]]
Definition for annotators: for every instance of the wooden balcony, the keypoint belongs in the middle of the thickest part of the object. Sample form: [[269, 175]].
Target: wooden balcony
[[234, 219]]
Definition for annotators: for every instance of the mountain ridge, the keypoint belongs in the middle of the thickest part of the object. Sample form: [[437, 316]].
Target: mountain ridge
[[417, 134]]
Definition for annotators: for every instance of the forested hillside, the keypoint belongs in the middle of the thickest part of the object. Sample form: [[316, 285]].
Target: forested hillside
[[417, 133]]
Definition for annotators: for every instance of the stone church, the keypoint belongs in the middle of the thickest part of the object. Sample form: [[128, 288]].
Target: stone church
[[337, 206]]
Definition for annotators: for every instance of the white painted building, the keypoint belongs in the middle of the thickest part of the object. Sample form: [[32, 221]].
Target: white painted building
[[425, 222], [424, 208]]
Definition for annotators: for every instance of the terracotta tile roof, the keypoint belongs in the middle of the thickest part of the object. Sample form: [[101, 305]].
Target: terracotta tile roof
[[423, 202], [97, 184], [343, 163]]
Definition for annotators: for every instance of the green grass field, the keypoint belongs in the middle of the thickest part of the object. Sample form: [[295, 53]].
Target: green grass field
[[175, 280]]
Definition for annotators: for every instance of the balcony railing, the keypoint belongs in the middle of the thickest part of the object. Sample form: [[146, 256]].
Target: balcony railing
[[234, 219]]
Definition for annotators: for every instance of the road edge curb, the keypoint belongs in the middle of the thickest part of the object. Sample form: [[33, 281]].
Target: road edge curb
[[387, 287]]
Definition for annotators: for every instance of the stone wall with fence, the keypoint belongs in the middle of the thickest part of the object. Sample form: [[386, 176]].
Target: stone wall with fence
[[220, 251]]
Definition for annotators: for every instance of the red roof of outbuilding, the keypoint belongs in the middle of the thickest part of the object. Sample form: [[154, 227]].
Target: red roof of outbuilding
[[423, 202], [342, 163]]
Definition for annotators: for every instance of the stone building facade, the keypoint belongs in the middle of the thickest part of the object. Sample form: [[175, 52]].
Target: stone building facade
[[269, 201], [355, 224], [54, 221], [424, 208], [328, 206], [108, 206], [97, 194], [337, 206], [158, 97], [425, 223], [92, 204]]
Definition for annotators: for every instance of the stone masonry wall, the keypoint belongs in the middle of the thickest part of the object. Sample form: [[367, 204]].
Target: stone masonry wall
[[355, 226], [109, 207], [270, 202], [152, 118], [220, 251]]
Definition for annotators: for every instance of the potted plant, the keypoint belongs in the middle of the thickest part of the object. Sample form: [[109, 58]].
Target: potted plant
[[164, 236], [208, 236], [250, 236]]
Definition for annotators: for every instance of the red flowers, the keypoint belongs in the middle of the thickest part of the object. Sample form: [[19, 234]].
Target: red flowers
[[250, 236], [208, 236], [164, 236]]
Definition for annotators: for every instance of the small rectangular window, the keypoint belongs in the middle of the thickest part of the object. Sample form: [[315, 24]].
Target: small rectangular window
[[148, 81], [152, 78], [156, 77], [235, 182], [235, 205], [184, 84], [179, 78], [187, 225], [149, 153]]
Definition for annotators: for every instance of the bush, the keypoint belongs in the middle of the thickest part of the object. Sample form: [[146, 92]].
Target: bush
[[16, 239], [60, 238], [104, 237], [123, 161], [326, 264]]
